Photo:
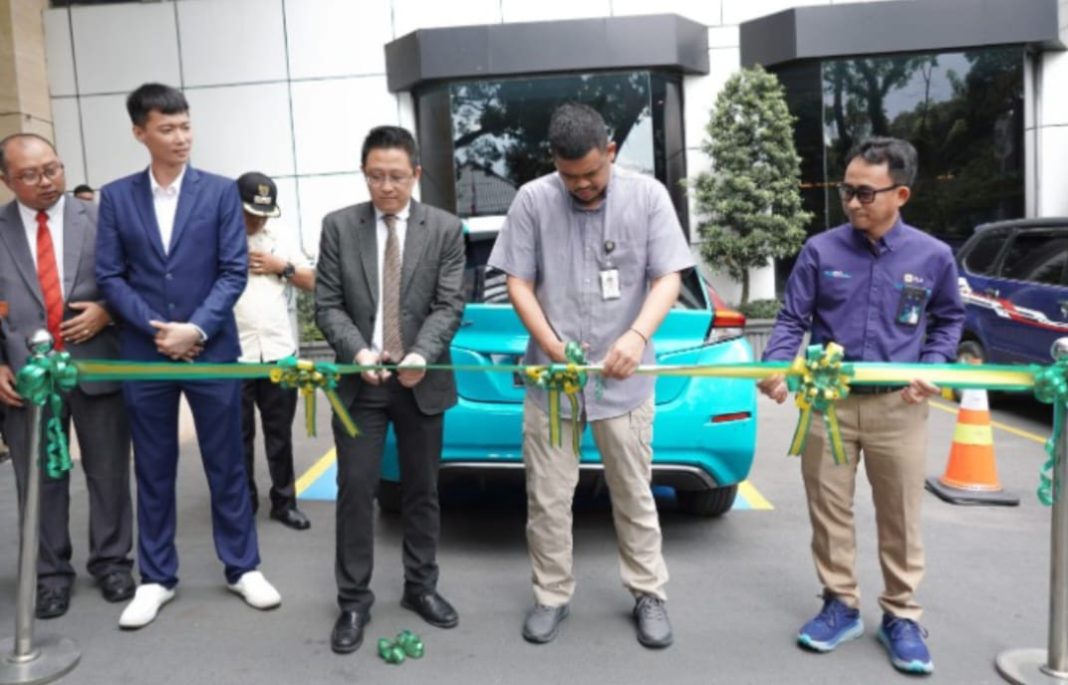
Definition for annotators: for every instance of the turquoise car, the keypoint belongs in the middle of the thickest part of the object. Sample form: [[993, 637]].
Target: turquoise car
[[704, 434]]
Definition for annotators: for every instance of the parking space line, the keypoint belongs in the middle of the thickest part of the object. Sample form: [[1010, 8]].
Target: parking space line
[[1035, 437], [753, 498], [317, 469]]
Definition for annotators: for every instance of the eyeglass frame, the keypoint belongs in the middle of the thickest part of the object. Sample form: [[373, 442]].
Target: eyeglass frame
[[32, 177], [380, 182], [844, 190]]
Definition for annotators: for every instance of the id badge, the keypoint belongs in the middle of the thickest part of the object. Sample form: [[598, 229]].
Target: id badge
[[610, 284], [911, 305]]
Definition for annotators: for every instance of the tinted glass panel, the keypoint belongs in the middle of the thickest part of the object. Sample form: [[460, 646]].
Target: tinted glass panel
[[1037, 258], [499, 131], [963, 111], [980, 259]]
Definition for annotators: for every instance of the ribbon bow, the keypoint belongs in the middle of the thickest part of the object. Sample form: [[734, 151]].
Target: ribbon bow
[[40, 382], [307, 376], [568, 379], [820, 379], [1051, 387], [406, 645]]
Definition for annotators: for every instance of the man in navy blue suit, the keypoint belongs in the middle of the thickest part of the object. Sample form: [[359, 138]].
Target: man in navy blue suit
[[172, 261]]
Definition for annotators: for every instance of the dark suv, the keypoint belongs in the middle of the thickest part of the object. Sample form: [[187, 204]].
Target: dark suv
[[1014, 282]]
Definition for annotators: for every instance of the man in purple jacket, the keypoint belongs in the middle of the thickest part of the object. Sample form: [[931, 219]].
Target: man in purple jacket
[[886, 292]]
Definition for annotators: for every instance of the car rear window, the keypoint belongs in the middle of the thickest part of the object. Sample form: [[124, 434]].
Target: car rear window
[[486, 285], [1037, 257], [981, 257]]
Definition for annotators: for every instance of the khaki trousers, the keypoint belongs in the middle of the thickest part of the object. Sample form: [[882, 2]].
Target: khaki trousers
[[892, 437], [552, 473]]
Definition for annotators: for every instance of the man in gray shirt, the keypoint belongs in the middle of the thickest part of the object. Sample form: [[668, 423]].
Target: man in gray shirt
[[593, 255]]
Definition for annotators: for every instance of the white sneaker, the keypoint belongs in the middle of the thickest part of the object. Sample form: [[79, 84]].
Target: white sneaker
[[256, 591], [145, 606]]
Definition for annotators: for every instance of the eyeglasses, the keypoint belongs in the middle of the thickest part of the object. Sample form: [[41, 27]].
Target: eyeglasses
[[865, 194], [380, 180], [32, 177]]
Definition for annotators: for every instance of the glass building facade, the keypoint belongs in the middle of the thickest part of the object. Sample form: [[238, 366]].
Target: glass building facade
[[963, 110]]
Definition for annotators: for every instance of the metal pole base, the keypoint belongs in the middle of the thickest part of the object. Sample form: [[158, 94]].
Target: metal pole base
[[53, 657], [1027, 667]]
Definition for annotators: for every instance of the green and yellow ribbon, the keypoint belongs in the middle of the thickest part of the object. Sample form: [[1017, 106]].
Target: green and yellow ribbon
[[567, 379], [407, 645], [820, 379], [41, 382], [1051, 387], [307, 377]]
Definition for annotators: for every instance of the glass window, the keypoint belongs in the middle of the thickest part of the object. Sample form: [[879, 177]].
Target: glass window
[[980, 258], [499, 131], [1037, 258], [963, 110]]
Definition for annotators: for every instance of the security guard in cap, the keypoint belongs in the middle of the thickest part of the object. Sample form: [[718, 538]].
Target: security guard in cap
[[267, 333]]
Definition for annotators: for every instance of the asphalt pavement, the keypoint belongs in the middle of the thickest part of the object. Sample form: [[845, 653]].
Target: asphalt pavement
[[740, 587]]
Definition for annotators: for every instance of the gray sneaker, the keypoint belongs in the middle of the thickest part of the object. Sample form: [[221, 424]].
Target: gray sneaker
[[654, 628], [543, 622]]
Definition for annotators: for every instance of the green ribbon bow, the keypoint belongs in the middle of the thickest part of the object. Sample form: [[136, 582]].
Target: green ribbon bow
[[819, 379], [1051, 387], [40, 382], [568, 379], [307, 377], [406, 645]]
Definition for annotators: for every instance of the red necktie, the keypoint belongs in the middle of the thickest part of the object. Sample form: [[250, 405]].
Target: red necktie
[[48, 275]]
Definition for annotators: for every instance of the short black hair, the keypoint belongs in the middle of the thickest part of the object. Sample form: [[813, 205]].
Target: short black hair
[[382, 137], [898, 155], [154, 96], [575, 129], [82, 188], [19, 136]]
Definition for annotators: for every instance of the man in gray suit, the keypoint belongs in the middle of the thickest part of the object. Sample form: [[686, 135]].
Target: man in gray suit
[[389, 290], [47, 259]]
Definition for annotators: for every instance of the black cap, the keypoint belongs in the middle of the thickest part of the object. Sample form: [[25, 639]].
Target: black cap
[[259, 195]]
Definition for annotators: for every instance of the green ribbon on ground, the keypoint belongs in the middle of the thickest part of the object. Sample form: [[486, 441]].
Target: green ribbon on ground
[[819, 379], [567, 379], [40, 382], [307, 377], [1051, 387], [406, 645]]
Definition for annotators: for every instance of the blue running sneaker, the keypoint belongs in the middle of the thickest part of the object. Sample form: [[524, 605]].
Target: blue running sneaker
[[835, 624], [903, 639]]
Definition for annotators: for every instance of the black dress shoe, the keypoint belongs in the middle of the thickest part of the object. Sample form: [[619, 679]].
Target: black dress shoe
[[117, 586], [292, 517], [52, 602], [432, 607], [347, 635]]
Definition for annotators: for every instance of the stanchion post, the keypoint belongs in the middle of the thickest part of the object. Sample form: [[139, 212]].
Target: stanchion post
[[22, 660], [1029, 666]]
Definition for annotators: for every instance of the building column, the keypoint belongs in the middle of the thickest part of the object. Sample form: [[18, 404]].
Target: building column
[[24, 102]]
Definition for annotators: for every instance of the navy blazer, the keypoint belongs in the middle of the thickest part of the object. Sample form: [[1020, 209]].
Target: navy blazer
[[197, 280]]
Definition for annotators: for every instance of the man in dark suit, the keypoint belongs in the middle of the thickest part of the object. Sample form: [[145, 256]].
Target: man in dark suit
[[388, 290], [172, 261], [47, 246]]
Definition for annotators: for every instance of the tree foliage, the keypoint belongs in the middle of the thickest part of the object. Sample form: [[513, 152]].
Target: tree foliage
[[750, 204]]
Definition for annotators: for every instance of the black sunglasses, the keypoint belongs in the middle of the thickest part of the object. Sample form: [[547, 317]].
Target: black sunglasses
[[866, 194]]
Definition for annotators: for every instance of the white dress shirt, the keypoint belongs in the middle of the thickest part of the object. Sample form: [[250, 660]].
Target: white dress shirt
[[263, 312], [382, 233], [55, 227], [165, 202]]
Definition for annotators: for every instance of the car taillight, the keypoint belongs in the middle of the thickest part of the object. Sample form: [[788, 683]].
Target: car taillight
[[736, 416], [726, 324]]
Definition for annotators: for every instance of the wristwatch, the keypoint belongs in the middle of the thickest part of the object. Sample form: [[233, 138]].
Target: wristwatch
[[288, 270]]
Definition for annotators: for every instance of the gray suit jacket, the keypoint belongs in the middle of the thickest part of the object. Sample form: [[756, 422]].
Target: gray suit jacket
[[21, 290], [432, 301]]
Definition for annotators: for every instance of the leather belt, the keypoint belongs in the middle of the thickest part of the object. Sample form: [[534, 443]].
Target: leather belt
[[874, 389]]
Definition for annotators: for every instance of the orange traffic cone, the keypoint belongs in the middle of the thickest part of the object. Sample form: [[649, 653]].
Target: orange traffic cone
[[971, 475]]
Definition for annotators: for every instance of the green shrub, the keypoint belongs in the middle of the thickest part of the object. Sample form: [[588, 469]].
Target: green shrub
[[761, 309]]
